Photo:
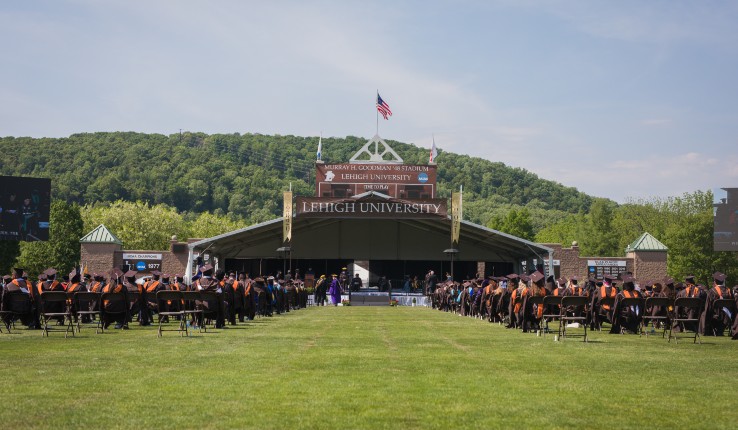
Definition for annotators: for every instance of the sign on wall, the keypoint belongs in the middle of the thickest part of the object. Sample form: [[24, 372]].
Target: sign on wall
[[141, 262], [396, 180], [601, 268], [370, 208]]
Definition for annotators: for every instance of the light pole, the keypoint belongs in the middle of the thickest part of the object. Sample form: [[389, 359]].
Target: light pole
[[451, 252], [285, 251]]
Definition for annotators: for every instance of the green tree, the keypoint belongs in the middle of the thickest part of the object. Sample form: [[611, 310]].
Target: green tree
[[564, 232], [138, 225], [516, 223], [209, 225], [599, 238], [62, 250], [689, 236]]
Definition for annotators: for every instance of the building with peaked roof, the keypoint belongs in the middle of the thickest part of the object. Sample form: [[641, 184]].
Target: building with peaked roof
[[646, 243], [101, 250], [649, 257], [372, 247]]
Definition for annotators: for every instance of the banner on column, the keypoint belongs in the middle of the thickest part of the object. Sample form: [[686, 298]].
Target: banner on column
[[287, 217], [455, 216]]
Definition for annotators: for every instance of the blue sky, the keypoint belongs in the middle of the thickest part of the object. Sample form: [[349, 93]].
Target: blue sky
[[621, 99]]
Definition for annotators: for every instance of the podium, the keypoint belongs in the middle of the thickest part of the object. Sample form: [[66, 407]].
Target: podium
[[309, 280]]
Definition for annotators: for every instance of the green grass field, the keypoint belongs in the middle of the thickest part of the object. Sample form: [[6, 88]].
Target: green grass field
[[364, 367]]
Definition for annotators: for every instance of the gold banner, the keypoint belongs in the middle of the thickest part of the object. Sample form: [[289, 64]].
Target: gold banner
[[287, 217], [455, 216]]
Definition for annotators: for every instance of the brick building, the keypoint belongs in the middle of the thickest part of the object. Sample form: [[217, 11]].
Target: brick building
[[645, 258], [101, 250]]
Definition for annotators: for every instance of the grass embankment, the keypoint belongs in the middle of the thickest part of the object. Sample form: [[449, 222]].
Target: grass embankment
[[364, 367]]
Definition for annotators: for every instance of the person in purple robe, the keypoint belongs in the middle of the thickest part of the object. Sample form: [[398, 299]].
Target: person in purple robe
[[335, 290]]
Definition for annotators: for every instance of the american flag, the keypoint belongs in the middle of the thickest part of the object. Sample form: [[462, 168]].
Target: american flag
[[433, 152], [383, 107]]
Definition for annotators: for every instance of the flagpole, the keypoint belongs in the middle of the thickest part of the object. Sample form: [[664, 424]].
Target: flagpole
[[375, 105]]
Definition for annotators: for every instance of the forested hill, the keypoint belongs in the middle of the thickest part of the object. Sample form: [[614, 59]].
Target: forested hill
[[244, 175]]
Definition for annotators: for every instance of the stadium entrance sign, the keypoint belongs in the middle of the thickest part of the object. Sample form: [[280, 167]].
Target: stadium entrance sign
[[400, 181]]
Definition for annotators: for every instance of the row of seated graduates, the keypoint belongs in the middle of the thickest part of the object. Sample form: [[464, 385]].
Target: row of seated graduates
[[234, 300], [494, 299], [27, 308]]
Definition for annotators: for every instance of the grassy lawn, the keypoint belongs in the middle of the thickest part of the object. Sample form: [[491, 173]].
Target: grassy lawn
[[364, 367]]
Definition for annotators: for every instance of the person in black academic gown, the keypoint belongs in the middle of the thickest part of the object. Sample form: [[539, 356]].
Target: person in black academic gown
[[714, 320], [691, 289], [626, 318], [602, 312], [18, 288]]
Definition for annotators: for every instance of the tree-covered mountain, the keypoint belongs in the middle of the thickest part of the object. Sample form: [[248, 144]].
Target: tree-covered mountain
[[244, 175]]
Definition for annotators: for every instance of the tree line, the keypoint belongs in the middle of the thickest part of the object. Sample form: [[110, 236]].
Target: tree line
[[244, 175], [148, 187]]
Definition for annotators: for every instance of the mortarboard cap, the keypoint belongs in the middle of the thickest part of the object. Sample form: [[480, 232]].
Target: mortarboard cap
[[536, 276]]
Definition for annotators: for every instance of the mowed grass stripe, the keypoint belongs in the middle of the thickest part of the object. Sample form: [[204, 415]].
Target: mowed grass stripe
[[364, 367]]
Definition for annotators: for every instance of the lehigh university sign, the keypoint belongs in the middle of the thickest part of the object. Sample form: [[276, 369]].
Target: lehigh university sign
[[373, 205]]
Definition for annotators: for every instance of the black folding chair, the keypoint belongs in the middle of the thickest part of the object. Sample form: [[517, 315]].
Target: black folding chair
[[112, 299], [207, 300], [135, 307], [192, 309], [533, 301], [724, 305], [605, 301], [551, 304], [565, 319], [88, 304], [665, 319], [636, 306], [19, 305], [53, 305], [163, 299], [514, 315], [687, 304]]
